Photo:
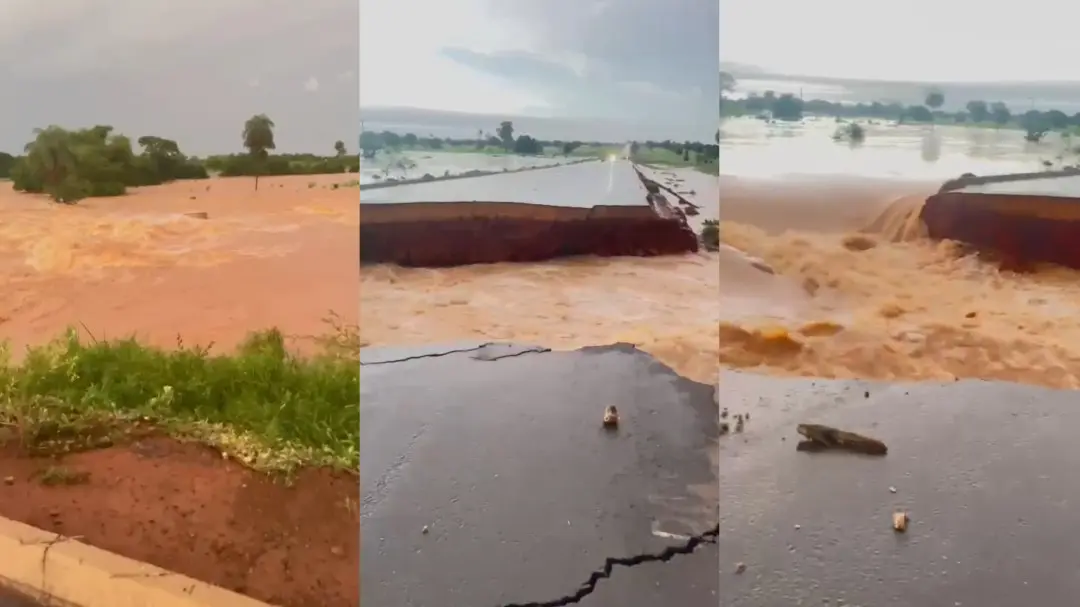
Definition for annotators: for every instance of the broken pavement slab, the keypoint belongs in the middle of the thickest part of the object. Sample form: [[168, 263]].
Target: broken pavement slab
[[986, 470], [498, 449], [63, 571]]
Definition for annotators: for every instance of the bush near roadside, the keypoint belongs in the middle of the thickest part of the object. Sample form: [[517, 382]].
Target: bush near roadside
[[263, 405]]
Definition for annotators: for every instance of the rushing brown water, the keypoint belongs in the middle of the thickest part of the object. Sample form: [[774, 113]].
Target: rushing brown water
[[665, 305], [859, 292], [283, 256]]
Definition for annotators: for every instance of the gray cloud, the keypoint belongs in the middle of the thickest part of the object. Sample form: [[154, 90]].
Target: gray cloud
[[192, 71], [632, 59]]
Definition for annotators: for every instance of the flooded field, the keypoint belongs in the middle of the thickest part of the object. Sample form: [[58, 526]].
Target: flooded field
[[151, 264], [753, 148], [856, 290], [439, 164]]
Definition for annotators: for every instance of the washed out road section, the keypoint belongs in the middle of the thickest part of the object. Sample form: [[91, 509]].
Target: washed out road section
[[487, 479], [592, 208], [986, 471]]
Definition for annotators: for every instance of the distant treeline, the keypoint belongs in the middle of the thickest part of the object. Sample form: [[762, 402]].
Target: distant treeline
[[70, 165], [503, 140], [789, 107]]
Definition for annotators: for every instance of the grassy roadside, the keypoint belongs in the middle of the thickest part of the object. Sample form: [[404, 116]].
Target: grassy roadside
[[264, 406]]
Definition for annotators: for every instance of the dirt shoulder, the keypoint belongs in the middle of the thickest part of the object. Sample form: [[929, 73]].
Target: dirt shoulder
[[185, 508]]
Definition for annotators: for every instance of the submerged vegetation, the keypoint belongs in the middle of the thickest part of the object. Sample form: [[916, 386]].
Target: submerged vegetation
[[851, 132], [69, 165]]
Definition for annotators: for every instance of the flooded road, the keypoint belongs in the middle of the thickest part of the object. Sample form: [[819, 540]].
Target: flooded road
[[414, 164], [856, 290], [582, 185]]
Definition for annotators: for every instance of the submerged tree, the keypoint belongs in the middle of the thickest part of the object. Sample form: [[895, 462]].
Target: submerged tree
[[506, 134], [259, 140]]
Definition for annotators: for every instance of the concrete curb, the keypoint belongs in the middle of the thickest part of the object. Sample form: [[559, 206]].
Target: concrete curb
[[58, 570]]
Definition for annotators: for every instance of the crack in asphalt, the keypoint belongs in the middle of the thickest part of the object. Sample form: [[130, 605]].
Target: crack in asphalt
[[589, 586], [537, 350], [433, 355], [534, 350]]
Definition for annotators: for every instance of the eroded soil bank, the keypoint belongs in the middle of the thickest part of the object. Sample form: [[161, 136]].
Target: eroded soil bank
[[451, 232], [472, 240]]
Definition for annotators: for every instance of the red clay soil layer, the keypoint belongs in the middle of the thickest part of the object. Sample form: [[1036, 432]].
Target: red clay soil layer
[[1022, 230], [185, 508], [470, 240]]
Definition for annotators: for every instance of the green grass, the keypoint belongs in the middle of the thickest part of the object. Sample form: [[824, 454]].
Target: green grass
[[262, 405]]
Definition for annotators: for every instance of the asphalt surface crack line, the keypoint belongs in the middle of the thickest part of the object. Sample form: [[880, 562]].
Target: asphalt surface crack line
[[665, 555], [435, 355], [529, 351], [479, 348]]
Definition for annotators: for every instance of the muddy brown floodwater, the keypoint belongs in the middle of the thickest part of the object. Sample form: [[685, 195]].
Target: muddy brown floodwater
[[858, 291], [283, 256], [664, 305]]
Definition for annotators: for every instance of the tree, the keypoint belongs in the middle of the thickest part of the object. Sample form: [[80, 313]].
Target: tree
[[371, 142], [1000, 113], [787, 107], [339, 148], [163, 156], [506, 134], [978, 110], [919, 113], [1057, 119], [7, 161], [935, 99], [1035, 124], [259, 140], [527, 145], [727, 85], [50, 155]]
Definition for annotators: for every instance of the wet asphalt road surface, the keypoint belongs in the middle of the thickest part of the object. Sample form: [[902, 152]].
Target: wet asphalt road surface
[[989, 473], [585, 185], [498, 450]]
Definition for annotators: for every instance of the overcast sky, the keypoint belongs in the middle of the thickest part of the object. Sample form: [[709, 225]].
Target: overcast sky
[[193, 71], [629, 59], [919, 40]]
